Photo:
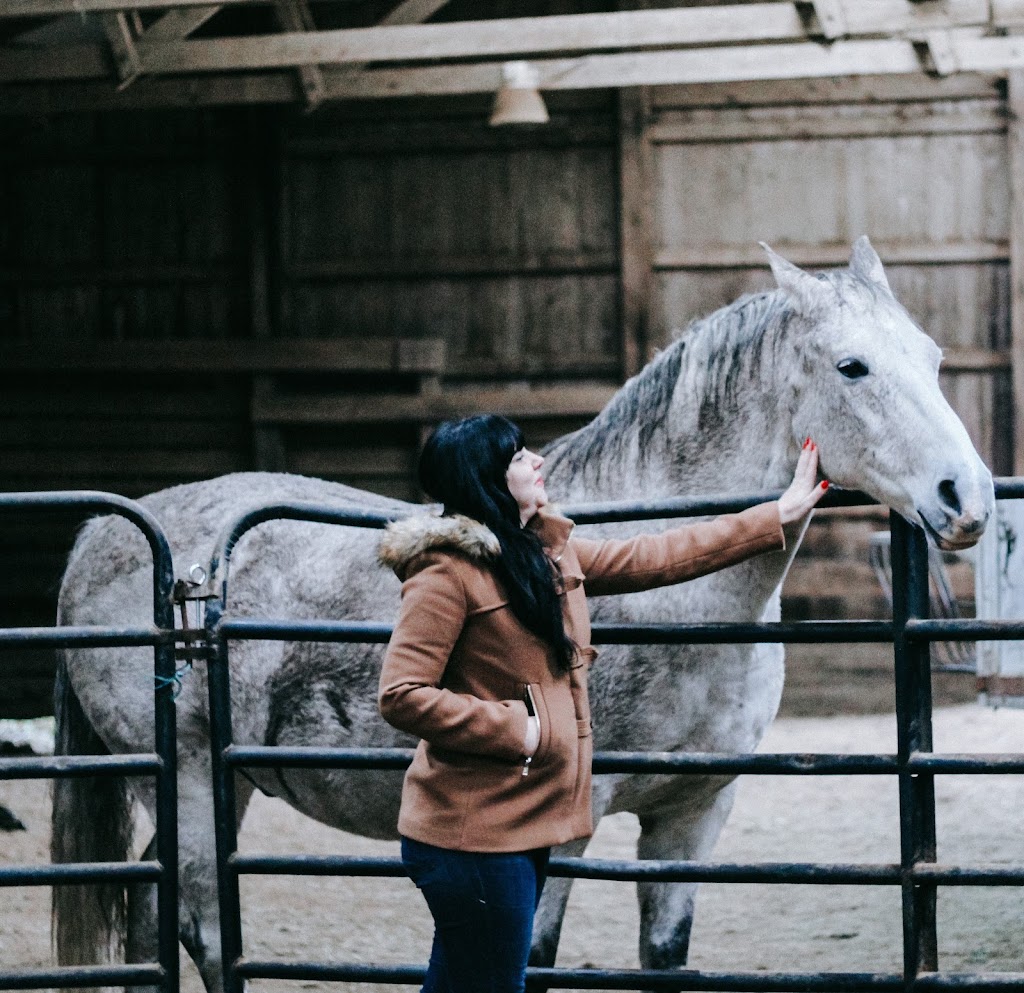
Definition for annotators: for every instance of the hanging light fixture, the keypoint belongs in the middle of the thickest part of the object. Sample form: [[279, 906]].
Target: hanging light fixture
[[518, 101]]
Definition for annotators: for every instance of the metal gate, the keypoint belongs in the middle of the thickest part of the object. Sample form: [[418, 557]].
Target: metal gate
[[917, 873], [161, 763]]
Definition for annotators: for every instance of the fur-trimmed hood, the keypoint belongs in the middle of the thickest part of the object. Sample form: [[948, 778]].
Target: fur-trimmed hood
[[411, 536], [405, 539]]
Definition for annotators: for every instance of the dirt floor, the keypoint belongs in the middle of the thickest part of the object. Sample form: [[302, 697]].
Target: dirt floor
[[851, 819]]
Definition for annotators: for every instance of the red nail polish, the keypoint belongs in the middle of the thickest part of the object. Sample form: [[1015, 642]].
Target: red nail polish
[[807, 441], [824, 484]]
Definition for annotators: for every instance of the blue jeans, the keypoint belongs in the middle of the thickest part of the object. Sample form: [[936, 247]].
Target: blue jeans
[[483, 905]]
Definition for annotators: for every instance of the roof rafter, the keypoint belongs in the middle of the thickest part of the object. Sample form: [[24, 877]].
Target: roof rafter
[[507, 38]]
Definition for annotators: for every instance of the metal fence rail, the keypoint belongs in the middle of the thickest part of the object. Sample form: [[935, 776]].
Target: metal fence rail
[[161, 764], [918, 874]]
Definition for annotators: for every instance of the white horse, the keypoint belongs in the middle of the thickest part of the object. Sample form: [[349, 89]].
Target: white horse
[[725, 408]]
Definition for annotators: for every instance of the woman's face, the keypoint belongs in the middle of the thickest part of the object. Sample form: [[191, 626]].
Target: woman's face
[[525, 483]]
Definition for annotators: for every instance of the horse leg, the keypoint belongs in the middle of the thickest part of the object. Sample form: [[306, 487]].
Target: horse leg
[[140, 943], [547, 924], [666, 909], [198, 905]]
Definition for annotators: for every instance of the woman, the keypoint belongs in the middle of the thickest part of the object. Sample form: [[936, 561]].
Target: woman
[[488, 666]]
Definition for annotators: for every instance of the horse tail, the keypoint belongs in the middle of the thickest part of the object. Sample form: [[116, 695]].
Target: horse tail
[[92, 821]]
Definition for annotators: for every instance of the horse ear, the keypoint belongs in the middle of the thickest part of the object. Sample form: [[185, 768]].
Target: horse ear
[[864, 262], [807, 293]]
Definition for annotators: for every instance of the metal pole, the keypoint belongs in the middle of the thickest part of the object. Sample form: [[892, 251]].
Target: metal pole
[[166, 744], [914, 734], [224, 813]]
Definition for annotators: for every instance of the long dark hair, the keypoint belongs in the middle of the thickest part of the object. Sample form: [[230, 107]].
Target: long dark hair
[[463, 464]]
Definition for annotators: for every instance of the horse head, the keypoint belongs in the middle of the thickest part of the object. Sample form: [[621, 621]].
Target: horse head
[[869, 395]]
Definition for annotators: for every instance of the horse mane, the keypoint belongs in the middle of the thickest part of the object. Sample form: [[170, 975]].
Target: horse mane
[[715, 355]]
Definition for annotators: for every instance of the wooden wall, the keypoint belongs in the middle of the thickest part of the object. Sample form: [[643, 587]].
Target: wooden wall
[[187, 293], [922, 166]]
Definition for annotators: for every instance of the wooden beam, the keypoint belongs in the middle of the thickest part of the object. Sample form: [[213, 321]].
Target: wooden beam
[[723, 124], [831, 18], [179, 23], [698, 257], [454, 266], [636, 249], [556, 401], [1015, 108], [793, 61], [974, 360], [123, 49], [913, 88], [294, 15], [412, 12], [47, 8], [282, 355], [407, 12], [527, 36]]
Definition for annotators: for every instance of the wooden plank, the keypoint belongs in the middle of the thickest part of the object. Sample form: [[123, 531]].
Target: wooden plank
[[225, 356], [57, 432], [294, 16], [499, 38], [147, 273], [412, 12], [45, 8], [1015, 108], [57, 394], [392, 139], [517, 37], [767, 61], [179, 23], [78, 465], [913, 87], [561, 401], [861, 15], [974, 54], [834, 254], [759, 62], [636, 249], [122, 47], [986, 116], [267, 444], [975, 360], [376, 460], [1008, 13], [238, 89], [575, 365], [437, 265]]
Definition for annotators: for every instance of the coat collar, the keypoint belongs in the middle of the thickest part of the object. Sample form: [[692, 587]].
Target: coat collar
[[553, 530], [411, 536]]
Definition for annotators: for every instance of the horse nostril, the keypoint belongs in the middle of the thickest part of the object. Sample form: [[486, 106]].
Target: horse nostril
[[949, 497]]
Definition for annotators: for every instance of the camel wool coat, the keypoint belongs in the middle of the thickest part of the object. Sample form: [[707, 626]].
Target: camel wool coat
[[463, 674]]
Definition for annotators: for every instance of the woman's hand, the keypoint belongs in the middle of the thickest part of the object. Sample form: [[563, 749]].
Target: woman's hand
[[805, 491]]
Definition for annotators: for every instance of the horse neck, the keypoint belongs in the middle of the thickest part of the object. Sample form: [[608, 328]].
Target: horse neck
[[725, 426]]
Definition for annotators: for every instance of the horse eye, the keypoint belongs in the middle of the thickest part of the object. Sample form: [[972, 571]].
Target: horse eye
[[852, 368]]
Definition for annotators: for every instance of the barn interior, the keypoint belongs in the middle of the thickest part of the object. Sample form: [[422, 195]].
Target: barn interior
[[285, 235]]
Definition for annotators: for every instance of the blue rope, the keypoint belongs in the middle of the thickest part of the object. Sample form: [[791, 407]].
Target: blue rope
[[162, 682]]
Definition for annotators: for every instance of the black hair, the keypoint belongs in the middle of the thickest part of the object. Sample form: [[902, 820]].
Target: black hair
[[463, 464]]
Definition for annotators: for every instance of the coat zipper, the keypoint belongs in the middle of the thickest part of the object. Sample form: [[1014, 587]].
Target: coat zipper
[[531, 709]]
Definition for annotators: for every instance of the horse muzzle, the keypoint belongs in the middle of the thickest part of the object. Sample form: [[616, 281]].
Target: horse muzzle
[[959, 511]]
